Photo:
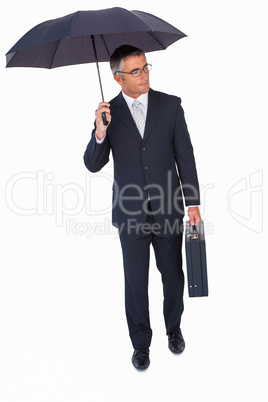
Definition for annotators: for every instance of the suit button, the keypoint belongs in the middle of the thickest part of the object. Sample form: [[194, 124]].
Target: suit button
[[143, 148], [144, 188], [146, 167]]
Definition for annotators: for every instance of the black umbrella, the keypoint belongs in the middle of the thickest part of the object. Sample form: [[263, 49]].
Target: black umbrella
[[90, 36]]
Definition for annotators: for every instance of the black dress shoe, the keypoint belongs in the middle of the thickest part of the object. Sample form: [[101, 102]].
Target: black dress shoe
[[175, 341], [140, 359]]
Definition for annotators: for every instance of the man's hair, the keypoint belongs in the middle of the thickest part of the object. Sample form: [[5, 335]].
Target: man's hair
[[121, 54]]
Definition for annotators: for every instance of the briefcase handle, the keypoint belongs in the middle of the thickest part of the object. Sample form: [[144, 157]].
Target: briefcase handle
[[194, 235]]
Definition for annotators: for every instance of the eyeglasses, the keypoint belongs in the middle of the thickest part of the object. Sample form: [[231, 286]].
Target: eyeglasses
[[138, 71]]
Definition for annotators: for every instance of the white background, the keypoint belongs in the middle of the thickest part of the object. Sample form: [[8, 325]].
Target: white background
[[63, 334]]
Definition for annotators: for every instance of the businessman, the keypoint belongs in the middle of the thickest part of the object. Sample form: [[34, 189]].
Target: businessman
[[154, 177]]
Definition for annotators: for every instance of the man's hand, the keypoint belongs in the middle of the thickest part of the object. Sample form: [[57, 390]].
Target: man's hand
[[101, 128], [194, 216]]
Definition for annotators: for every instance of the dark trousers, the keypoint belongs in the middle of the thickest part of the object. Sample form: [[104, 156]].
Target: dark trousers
[[136, 255]]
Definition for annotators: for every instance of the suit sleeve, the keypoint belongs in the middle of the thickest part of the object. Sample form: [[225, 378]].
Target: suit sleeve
[[97, 155], [184, 156]]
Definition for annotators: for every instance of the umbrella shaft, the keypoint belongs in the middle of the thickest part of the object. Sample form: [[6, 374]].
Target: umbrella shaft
[[97, 64]]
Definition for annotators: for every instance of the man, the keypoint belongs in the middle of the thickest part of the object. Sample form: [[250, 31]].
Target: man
[[153, 165]]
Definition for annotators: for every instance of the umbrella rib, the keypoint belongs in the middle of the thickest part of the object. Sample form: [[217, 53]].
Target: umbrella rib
[[151, 34], [52, 59], [103, 40]]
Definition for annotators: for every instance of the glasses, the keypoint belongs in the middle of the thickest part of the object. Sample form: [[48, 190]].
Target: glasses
[[138, 71]]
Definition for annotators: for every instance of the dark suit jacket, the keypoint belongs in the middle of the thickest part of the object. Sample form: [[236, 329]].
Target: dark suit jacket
[[161, 164]]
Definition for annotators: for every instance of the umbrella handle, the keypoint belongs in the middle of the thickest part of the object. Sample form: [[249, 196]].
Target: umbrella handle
[[103, 115], [104, 120]]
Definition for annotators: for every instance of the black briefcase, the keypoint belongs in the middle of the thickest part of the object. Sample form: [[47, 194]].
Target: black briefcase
[[195, 248]]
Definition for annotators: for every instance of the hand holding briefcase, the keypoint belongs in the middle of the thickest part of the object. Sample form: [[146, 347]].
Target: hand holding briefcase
[[196, 260]]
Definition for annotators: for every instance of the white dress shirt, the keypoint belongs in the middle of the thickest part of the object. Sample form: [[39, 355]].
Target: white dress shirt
[[144, 105], [143, 99]]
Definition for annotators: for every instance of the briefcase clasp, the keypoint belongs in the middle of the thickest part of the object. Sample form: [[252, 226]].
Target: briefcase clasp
[[193, 236]]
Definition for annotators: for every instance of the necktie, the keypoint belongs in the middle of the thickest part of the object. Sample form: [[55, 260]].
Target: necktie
[[138, 116]]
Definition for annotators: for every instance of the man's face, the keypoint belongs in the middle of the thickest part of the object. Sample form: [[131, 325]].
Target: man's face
[[134, 86]]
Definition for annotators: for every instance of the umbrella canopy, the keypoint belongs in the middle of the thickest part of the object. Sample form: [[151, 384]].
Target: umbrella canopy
[[70, 39], [90, 36]]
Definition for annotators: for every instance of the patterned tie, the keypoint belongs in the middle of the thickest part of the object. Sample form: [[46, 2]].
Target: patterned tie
[[138, 116]]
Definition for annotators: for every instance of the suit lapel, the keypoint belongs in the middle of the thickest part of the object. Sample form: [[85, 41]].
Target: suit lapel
[[152, 113], [123, 113]]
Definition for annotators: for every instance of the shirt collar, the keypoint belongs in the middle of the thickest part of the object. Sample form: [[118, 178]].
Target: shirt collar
[[142, 98]]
